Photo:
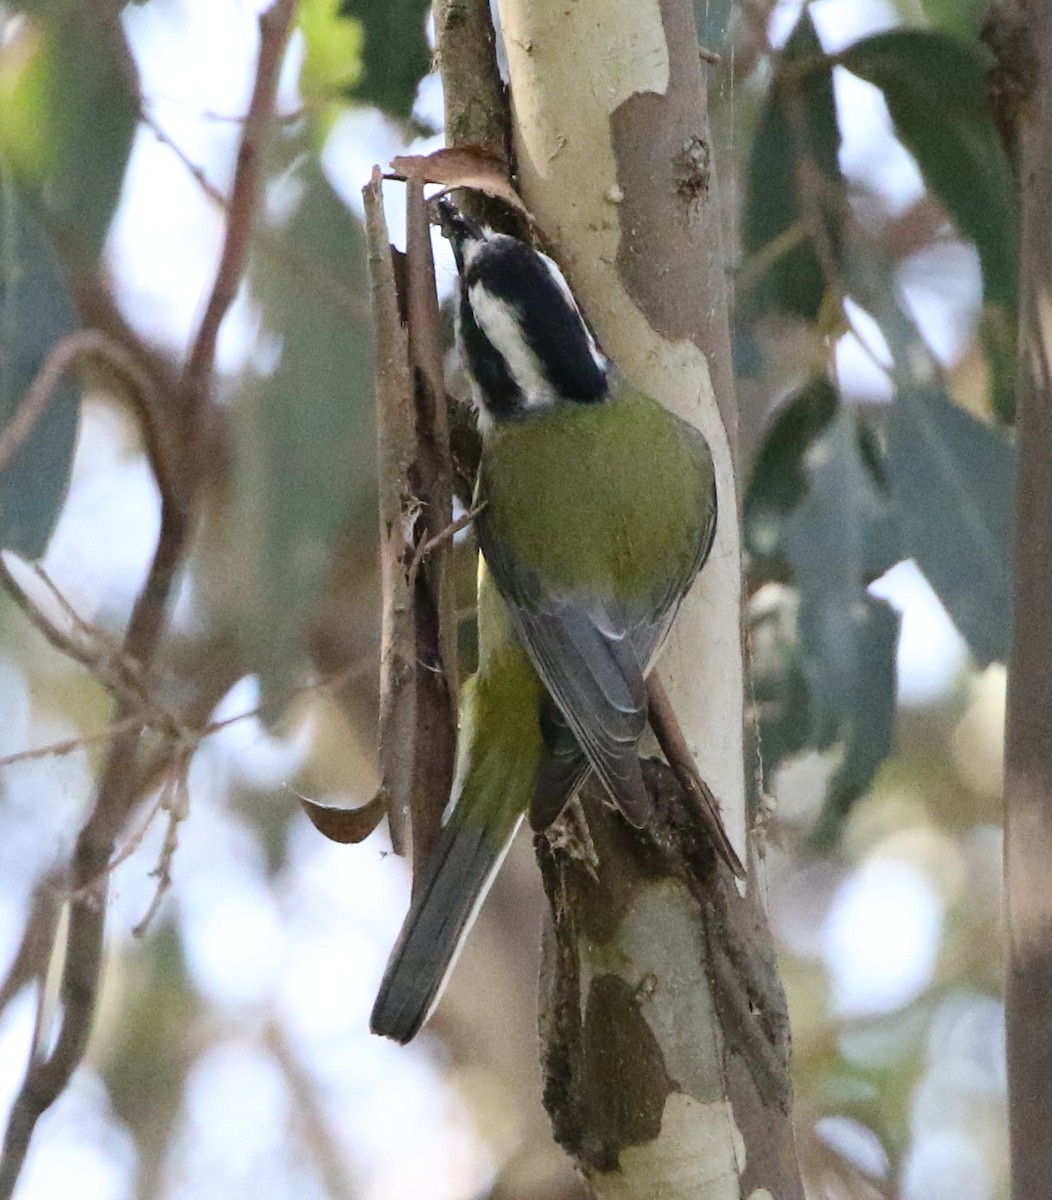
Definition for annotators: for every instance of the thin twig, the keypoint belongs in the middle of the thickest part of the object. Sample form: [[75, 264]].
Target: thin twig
[[673, 744], [187, 734], [274, 25], [104, 659], [424, 548], [67, 351], [116, 795], [294, 256], [176, 800]]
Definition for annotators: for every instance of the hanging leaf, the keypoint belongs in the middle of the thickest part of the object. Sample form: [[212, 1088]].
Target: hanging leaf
[[825, 667], [36, 310], [795, 188], [952, 478], [302, 475], [68, 111], [935, 89], [395, 56], [847, 638], [778, 482], [866, 717], [332, 60]]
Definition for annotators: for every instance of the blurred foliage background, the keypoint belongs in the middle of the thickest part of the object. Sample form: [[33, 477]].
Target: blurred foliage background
[[868, 220]]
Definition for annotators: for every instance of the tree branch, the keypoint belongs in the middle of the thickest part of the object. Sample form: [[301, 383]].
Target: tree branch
[[665, 1045], [116, 794]]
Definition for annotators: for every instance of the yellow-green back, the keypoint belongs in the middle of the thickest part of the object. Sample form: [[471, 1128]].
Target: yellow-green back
[[615, 496]]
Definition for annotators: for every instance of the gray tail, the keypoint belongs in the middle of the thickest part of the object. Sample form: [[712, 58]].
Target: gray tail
[[445, 901]]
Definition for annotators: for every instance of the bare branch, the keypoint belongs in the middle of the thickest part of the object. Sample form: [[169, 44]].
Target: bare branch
[[117, 792], [476, 101], [274, 26]]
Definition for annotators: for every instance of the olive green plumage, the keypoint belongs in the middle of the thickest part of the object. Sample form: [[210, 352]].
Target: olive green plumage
[[617, 497], [597, 517]]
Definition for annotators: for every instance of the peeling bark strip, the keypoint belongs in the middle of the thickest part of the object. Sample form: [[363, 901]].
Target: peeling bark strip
[[418, 630], [1021, 33], [662, 1018], [395, 437]]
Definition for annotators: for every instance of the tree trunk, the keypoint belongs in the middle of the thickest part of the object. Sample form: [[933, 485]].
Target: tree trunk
[[665, 1040], [1021, 33]]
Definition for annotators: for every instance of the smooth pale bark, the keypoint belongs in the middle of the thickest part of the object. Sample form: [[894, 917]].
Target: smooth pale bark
[[663, 1024]]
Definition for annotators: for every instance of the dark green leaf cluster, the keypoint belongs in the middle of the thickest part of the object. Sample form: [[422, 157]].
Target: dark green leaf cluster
[[839, 493], [396, 54], [66, 126]]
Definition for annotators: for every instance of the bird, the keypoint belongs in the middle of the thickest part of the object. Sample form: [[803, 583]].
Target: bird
[[596, 509]]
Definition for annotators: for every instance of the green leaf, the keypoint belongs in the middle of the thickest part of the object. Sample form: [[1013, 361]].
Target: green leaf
[[303, 438], [68, 111], [847, 638], [827, 540], [332, 63], [935, 89], [396, 54], [952, 480], [36, 310], [793, 182], [962, 17], [999, 338], [824, 657], [866, 720], [778, 483], [781, 483]]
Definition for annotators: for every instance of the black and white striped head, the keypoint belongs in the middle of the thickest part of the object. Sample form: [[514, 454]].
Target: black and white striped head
[[524, 341]]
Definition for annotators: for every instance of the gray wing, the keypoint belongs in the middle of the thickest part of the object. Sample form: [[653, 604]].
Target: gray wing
[[592, 657]]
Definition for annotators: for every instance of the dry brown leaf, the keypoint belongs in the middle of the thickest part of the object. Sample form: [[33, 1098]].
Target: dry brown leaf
[[477, 167], [345, 825]]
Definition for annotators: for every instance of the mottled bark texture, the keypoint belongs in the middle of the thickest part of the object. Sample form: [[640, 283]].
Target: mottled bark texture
[[1020, 33], [663, 1020]]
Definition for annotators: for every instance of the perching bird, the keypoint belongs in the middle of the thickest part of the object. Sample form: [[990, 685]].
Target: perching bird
[[599, 511]]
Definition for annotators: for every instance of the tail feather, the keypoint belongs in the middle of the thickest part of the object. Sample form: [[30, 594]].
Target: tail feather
[[445, 903]]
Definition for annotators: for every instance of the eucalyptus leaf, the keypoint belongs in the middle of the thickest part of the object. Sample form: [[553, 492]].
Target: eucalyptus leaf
[[36, 310], [847, 638], [68, 116], [778, 482], [302, 434], [827, 541], [793, 183], [781, 482], [935, 89], [396, 55], [952, 478], [867, 719]]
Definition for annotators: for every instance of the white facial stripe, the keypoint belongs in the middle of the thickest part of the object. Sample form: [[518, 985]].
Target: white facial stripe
[[498, 322], [560, 282], [475, 245]]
